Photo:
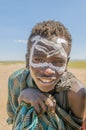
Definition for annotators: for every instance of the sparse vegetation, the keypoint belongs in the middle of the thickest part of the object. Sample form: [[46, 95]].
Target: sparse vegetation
[[11, 62], [77, 64]]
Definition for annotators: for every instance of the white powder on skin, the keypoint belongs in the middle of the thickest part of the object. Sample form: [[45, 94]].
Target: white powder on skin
[[57, 48]]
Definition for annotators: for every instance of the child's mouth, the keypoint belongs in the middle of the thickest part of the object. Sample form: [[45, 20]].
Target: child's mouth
[[47, 80]]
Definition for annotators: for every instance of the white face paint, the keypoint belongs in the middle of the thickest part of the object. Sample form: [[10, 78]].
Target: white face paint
[[56, 48], [61, 40]]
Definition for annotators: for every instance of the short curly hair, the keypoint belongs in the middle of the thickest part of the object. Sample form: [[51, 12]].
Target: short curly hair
[[48, 30]]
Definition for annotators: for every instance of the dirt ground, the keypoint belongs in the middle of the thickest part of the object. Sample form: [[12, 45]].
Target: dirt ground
[[5, 71]]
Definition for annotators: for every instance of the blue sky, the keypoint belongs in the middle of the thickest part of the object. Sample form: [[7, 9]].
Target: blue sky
[[18, 17]]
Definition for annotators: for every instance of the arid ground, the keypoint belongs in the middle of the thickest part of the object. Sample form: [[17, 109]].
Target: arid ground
[[5, 71]]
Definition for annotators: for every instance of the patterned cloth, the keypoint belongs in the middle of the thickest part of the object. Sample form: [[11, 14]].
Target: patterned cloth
[[24, 117]]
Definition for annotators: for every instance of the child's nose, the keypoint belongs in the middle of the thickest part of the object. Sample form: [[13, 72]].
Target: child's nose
[[49, 71]]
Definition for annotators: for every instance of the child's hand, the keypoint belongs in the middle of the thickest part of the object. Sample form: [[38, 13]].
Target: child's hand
[[40, 101]]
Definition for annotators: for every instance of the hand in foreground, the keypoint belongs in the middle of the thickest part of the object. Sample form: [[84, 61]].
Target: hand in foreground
[[42, 102]]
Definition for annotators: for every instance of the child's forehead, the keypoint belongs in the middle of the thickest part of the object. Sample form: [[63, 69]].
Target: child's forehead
[[49, 47], [54, 42]]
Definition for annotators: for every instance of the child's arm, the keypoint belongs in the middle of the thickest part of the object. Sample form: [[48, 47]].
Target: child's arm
[[40, 101], [77, 99], [11, 109]]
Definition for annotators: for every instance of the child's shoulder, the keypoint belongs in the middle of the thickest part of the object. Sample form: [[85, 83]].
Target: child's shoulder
[[76, 84], [19, 73]]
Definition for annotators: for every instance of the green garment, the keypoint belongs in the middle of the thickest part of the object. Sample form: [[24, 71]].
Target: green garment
[[24, 117]]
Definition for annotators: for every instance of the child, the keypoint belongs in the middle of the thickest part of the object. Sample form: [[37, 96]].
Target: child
[[44, 95]]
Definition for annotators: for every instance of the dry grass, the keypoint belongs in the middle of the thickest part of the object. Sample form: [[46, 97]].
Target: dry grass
[[5, 71]]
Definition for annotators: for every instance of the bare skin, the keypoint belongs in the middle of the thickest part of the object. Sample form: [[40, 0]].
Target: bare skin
[[46, 75], [77, 99], [42, 102], [37, 99]]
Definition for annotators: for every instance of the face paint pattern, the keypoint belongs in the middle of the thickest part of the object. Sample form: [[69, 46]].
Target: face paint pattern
[[61, 40], [57, 48]]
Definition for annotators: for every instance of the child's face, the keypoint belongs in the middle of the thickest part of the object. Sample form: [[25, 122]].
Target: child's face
[[48, 61]]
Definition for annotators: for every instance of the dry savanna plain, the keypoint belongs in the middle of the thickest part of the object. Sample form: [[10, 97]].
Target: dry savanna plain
[[7, 68]]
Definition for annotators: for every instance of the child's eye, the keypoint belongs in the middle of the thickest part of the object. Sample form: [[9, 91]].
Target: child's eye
[[58, 63], [38, 60]]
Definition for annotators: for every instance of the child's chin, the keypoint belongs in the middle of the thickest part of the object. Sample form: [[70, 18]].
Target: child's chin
[[46, 88]]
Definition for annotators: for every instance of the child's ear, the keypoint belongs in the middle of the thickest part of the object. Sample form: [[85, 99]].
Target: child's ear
[[27, 60], [68, 60], [67, 63]]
